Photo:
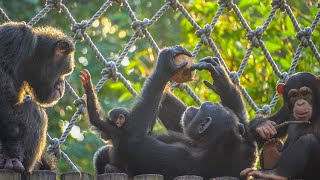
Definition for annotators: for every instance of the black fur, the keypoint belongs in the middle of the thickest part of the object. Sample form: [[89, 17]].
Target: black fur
[[33, 61], [221, 149], [300, 157]]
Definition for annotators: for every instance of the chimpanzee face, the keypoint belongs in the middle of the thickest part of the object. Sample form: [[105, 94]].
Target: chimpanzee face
[[302, 100], [300, 93], [46, 70], [208, 122], [118, 116]]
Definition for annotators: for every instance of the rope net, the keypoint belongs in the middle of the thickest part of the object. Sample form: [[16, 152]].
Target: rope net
[[140, 28]]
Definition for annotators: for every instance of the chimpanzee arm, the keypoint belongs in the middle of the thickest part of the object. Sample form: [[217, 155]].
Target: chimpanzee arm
[[282, 115], [172, 137], [94, 107], [223, 86], [146, 108], [171, 110]]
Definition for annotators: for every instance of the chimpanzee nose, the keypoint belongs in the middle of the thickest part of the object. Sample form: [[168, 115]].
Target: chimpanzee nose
[[300, 102]]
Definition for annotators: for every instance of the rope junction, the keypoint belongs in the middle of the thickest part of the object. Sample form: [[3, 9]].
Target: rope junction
[[204, 33]]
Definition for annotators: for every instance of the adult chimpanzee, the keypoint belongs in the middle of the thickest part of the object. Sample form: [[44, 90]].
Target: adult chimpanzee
[[299, 157], [220, 145], [35, 62]]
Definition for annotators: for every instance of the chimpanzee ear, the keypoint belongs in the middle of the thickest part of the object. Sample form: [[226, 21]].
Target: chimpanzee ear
[[241, 129], [280, 89], [318, 78], [62, 47]]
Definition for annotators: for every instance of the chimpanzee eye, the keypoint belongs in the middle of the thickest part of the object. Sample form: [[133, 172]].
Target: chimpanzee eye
[[304, 93]]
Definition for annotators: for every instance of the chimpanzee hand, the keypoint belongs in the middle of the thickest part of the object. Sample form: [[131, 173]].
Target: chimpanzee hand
[[166, 66], [86, 80], [267, 129], [218, 73], [265, 174]]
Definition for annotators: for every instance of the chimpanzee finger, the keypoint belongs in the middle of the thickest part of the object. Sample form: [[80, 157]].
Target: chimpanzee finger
[[271, 131], [246, 171], [205, 60], [82, 73], [261, 133], [213, 69], [212, 60], [272, 126], [255, 173], [211, 86], [87, 73], [180, 66], [272, 122], [181, 50], [82, 79], [266, 132], [194, 66]]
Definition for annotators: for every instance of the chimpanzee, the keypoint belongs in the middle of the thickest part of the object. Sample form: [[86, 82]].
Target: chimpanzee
[[34, 62], [107, 159], [221, 143], [299, 157]]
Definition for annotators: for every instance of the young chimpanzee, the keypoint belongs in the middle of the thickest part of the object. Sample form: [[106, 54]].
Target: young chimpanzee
[[300, 155], [107, 159], [34, 62], [220, 147]]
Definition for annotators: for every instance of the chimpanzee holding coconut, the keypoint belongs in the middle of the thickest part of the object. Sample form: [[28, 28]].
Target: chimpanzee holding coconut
[[215, 139]]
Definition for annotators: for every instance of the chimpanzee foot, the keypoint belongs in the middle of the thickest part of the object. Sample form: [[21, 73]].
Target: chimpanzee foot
[[271, 153], [14, 164], [269, 174], [110, 168]]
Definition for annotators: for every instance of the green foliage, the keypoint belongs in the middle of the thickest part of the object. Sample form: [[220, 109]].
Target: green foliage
[[112, 31]]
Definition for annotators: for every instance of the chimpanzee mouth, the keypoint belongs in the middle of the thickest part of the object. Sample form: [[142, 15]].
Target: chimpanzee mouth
[[59, 87], [301, 115]]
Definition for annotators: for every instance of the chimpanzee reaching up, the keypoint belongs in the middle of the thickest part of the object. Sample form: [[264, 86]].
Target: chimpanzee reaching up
[[221, 145], [300, 155], [107, 159], [34, 62]]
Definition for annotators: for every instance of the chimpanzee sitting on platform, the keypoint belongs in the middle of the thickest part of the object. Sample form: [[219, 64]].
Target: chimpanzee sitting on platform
[[221, 144], [300, 156]]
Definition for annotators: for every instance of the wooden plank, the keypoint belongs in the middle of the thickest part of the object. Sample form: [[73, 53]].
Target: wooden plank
[[112, 176], [224, 178], [41, 175], [148, 177], [188, 178], [76, 176], [9, 175]]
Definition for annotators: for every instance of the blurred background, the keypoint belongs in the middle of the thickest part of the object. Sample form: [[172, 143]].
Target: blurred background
[[112, 31]]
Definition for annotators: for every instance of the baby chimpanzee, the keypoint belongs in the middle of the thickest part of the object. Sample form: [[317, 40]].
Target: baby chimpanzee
[[107, 158]]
